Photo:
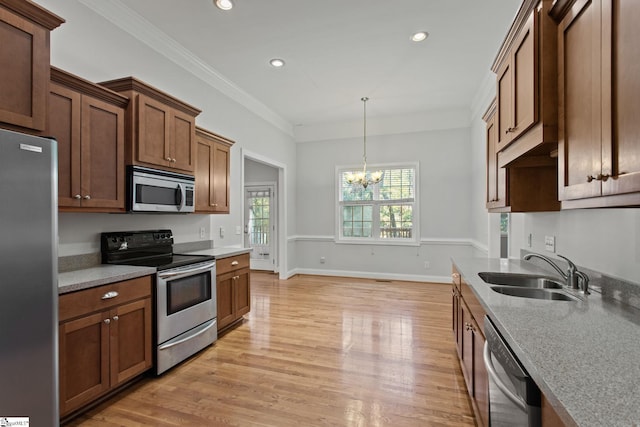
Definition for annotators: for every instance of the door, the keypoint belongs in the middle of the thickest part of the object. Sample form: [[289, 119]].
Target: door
[[260, 226]]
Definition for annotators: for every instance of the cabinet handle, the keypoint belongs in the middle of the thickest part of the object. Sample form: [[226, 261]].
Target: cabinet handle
[[215, 205], [168, 159], [602, 177], [173, 160], [590, 178], [77, 196], [234, 263], [115, 317], [235, 277], [87, 197], [109, 295], [455, 276], [107, 321]]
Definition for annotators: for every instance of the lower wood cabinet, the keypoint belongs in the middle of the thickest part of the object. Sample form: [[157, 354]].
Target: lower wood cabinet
[[105, 338], [468, 322], [233, 292]]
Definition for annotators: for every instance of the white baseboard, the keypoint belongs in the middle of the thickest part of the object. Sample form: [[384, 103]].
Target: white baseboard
[[368, 275]]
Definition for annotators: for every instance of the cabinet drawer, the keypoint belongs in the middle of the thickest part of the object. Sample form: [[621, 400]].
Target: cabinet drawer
[[237, 262], [79, 303]]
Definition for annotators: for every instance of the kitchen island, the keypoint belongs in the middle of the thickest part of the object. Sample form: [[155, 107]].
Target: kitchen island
[[581, 354]]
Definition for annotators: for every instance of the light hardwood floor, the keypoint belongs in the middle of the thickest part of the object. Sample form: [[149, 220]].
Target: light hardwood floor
[[314, 351]]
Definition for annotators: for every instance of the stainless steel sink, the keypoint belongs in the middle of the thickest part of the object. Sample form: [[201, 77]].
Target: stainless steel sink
[[520, 280], [535, 293]]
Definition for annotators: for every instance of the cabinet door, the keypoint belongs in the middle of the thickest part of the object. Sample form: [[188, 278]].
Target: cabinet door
[[496, 176], [226, 300], [64, 125], [204, 175], [183, 136], [84, 360], [242, 289], [621, 68], [130, 340], [580, 124], [504, 114], [154, 130], [24, 55], [102, 165], [221, 184], [524, 78], [467, 347]]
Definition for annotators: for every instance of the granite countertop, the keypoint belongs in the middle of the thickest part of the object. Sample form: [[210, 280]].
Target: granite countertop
[[99, 275], [220, 253], [583, 355]]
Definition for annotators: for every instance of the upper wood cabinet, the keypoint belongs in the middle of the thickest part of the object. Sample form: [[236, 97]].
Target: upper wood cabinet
[[160, 129], [528, 184], [24, 55], [88, 122], [525, 67], [212, 172], [599, 130]]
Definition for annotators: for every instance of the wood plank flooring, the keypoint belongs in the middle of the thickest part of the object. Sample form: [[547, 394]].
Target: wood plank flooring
[[313, 351]]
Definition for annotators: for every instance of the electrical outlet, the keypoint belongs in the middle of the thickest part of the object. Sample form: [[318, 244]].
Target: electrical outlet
[[322, 260], [202, 232], [238, 229], [529, 240], [550, 243], [427, 265]]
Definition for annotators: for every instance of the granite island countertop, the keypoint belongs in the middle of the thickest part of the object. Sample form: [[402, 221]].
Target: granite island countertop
[[582, 354]]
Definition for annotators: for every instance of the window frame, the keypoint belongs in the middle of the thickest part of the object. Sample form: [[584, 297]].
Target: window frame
[[415, 205]]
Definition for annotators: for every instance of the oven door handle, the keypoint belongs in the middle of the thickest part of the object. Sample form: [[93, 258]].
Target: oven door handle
[[494, 376], [180, 341], [186, 272]]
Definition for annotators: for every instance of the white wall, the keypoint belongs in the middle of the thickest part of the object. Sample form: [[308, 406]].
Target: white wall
[[91, 47], [445, 200], [256, 172]]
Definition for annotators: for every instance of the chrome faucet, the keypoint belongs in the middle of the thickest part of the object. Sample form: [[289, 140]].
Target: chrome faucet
[[572, 274]]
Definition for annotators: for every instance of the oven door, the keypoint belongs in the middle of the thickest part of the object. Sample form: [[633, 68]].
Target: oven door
[[186, 298]]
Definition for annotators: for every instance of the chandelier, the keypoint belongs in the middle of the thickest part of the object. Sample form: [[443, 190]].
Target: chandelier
[[364, 178]]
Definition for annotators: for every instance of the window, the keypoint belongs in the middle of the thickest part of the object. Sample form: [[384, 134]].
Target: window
[[385, 212]]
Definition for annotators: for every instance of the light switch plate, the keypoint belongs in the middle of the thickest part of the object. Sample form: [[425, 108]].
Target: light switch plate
[[550, 243]]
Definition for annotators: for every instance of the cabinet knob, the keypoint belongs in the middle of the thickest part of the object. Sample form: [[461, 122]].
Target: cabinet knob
[[235, 277], [168, 159], [77, 196], [107, 321], [173, 160], [602, 177], [115, 317], [590, 178], [87, 197]]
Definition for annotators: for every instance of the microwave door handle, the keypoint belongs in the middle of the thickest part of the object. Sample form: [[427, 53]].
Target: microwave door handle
[[180, 197]]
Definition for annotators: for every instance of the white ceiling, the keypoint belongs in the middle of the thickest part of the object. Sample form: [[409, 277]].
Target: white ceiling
[[335, 51]]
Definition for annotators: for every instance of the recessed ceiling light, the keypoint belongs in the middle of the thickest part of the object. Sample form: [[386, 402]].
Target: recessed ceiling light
[[277, 63], [419, 36], [224, 4]]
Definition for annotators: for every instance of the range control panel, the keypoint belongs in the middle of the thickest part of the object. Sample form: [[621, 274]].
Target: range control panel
[[135, 240]]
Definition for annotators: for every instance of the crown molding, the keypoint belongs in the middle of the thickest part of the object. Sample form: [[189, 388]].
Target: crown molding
[[116, 12]]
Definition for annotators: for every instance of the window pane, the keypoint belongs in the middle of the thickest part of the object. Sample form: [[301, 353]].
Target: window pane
[[396, 221], [354, 222], [397, 184]]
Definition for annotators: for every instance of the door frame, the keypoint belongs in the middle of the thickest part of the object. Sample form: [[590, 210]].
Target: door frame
[[273, 216], [280, 256]]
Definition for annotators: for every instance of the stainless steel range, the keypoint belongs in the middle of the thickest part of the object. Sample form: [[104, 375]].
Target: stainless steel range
[[185, 293]]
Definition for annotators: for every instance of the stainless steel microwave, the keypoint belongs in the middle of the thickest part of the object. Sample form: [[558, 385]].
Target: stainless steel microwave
[[153, 190]]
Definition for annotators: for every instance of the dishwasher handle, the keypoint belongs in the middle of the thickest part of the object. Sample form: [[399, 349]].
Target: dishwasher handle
[[494, 376]]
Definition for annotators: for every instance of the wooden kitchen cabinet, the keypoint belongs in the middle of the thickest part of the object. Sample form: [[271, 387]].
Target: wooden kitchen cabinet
[[24, 54], [525, 67], [212, 172], [598, 150], [528, 184], [160, 128], [88, 122], [233, 290], [105, 340], [468, 324]]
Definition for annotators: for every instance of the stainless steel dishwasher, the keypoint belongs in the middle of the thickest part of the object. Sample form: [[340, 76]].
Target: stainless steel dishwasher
[[514, 399]]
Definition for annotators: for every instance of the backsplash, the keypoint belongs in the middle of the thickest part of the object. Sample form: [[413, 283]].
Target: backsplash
[[609, 287]]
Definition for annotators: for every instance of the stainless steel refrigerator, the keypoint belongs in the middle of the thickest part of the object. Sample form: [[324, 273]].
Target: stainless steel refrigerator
[[28, 279]]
